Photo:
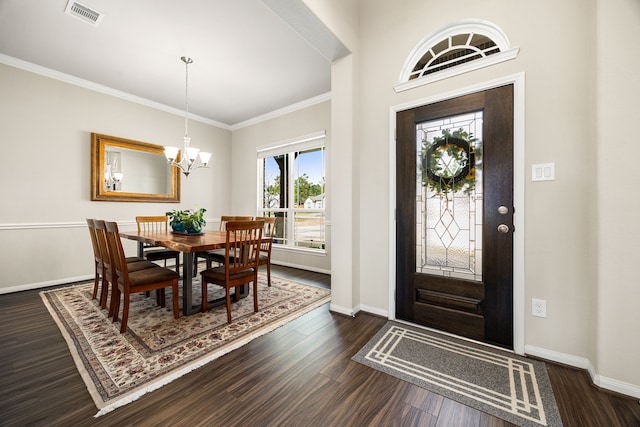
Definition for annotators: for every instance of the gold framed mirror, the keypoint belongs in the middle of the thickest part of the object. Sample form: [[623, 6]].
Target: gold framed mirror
[[123, 170]]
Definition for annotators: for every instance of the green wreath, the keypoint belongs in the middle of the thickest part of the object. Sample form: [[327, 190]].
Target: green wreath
[[449, 162]]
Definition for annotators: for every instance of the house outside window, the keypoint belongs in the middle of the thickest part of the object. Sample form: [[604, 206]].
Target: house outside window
[[291, 187]]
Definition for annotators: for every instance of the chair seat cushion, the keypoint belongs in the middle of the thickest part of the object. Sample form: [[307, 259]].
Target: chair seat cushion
[[216, 255], [151, 276], [160, 254], [140, 265], [217, 274], [133, 259]]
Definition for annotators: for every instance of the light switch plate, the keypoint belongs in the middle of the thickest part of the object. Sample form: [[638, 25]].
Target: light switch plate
[[543, 172]]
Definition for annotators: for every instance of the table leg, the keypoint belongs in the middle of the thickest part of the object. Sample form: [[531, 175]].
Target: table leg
[[140, 250], [187, 284]]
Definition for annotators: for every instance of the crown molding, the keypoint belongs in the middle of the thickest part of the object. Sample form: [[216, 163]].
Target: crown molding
[[76, 81], [283, 111]]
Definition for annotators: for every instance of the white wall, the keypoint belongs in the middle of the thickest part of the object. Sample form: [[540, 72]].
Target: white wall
[[45, 139], [244, 190]]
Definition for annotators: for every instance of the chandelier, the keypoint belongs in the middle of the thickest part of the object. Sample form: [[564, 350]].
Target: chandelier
[[189, 158]]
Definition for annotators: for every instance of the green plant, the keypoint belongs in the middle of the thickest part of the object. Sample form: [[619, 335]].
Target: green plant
[[190, 220]]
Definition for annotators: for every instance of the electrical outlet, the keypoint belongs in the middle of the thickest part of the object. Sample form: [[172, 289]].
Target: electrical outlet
[[539, 307]]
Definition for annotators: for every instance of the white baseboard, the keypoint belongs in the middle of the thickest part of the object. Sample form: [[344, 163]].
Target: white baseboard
[[584, 363], [566, 359], [373, 310], [342, 310], [301, 267], [31, 286]]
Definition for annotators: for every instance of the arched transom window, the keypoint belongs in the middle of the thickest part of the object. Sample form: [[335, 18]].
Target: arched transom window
[[456, 48]]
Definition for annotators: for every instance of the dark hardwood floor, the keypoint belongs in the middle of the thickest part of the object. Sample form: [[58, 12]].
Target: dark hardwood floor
[[298, 375]]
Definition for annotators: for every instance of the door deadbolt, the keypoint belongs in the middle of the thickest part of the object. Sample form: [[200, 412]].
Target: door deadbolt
[[503, 210], [503, 228]]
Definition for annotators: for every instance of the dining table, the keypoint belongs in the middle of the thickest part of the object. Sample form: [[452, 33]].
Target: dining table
[[189, 245]]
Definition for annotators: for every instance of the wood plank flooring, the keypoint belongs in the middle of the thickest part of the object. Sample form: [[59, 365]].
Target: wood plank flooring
[[299, 375]]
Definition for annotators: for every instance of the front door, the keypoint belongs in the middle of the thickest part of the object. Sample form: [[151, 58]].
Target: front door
[[454, 215]]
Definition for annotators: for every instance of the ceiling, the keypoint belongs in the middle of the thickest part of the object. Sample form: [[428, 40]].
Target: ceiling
[[247, 61]]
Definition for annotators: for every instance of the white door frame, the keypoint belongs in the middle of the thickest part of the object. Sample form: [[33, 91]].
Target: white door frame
[[518, 193]]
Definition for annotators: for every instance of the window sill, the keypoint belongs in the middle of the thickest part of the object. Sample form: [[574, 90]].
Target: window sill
[[300, 250]]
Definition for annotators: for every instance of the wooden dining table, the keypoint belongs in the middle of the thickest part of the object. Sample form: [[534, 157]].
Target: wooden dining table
[[189, 245]]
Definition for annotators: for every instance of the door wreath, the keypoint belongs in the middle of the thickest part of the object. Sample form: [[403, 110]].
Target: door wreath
[[449, 163]]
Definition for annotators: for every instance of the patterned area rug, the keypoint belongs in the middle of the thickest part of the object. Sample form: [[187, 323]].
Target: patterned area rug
[[513, 388], [156, 349]]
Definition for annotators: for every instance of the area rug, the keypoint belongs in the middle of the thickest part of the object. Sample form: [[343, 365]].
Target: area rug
[[497, 382], [157, 349]]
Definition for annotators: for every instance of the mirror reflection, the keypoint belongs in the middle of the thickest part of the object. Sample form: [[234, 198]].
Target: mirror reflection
[[126, 170]]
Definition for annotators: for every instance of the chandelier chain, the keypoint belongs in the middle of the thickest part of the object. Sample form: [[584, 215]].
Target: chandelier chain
[[186, 61]]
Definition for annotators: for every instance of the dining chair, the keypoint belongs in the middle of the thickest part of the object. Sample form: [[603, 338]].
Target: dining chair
[[216, 255], [97, 260], [268, 234], [242, 249], [134, 263], [158, 223], [128, 282]]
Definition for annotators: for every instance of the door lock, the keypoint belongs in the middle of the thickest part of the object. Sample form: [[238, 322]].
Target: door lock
[[503, 228], [503, 210]]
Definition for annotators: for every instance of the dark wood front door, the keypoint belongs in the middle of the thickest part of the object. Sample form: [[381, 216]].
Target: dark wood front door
[[454, 220]]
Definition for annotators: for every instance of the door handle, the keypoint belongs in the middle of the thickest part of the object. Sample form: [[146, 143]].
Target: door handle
[[503, 228]]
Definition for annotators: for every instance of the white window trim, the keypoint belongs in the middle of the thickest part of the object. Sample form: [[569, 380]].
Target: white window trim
[[301, 143], [475, 26]]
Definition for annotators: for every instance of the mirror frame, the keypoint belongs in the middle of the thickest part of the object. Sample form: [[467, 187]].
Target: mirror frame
[[99, 193]]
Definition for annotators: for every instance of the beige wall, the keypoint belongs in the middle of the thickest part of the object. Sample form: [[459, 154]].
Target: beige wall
[[45, 131], [244, 199], [573, 257], [617, 242]]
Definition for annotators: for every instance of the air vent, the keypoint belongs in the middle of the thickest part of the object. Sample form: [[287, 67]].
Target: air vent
[[84, 13]]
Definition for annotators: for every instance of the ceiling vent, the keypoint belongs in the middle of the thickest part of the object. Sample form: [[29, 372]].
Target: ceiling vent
[[84, 13]]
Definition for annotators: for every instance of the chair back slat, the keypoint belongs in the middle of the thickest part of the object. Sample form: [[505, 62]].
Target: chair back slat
[[94, 241], [243, 245], [116, 251], [224, 219], [105, 256], [268, 233], [158, 223]]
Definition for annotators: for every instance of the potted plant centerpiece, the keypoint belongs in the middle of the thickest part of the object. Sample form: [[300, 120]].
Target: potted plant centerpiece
[[188, 221]]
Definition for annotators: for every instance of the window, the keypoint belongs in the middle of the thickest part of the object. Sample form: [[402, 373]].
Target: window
[[456, 48], [291, 187]]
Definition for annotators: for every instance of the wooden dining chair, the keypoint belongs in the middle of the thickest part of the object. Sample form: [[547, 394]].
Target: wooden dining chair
[[129, 282], [216, 255], [268, 234], [242, 249], [97, 260], [158, 223], [134, 263]]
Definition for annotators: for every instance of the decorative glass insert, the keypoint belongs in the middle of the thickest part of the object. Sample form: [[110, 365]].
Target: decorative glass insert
[[452, 51], [449, 197]]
